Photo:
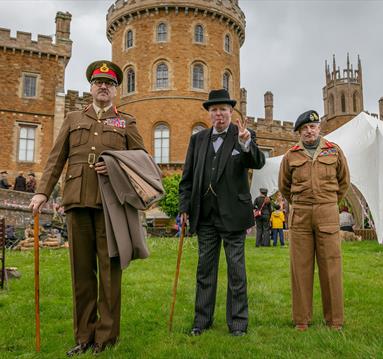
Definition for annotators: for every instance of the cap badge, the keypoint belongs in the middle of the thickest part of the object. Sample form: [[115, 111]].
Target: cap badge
[[104, 68], [313, 116]]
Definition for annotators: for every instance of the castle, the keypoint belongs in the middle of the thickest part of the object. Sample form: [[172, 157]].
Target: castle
[[172, 53]]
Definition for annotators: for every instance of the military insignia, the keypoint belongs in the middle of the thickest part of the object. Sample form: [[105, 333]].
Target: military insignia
[[115, 122], [328, 152], [104, 68], [314, 116], [295, 148], [329, 144]]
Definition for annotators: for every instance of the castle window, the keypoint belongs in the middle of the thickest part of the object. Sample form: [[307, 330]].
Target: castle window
[[331, 104], [198, 128], [198, 34], [162, 76], [27, 135], [343, 102], [162, 32], [198, 77], [161, 144], [129, 39], [226, 81], [29, 85], [227, 43], [355, 102], [131, 80]]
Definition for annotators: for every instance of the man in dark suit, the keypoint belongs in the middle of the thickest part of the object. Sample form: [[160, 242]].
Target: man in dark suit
[[214, 195]]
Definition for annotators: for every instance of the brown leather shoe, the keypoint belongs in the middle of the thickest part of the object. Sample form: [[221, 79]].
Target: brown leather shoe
[[78, 349], [301, 327]]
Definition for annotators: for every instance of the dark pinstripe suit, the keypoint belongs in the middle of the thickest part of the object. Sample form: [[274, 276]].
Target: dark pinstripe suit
[[220, 216]]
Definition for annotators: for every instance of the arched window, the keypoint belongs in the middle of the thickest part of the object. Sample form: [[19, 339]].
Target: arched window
[[129, 39], [131, 80], [331, 104], [198, 81], [197, 128], [343, 102], [162, 76], [227, 43], [161, 144], [162, 32], [226, 81], [355, 102], [198, 34]]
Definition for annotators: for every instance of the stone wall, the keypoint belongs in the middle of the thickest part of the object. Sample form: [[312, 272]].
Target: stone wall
[[14, 208]]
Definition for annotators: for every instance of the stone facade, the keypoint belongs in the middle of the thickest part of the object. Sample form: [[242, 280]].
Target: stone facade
[[175, 103], [31, 109]]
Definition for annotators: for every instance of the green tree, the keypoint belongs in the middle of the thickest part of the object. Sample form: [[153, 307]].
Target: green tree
[[169, 203]]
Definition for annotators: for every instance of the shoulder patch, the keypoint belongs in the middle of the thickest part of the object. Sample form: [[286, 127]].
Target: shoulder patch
[[295, 148]]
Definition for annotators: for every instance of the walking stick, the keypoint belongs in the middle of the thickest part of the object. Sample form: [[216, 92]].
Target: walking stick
[[180, 245], [37, 280]]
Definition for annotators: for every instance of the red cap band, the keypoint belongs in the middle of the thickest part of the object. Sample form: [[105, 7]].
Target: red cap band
[[109, 72]]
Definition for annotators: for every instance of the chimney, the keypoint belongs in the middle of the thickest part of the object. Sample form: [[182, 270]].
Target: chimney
[[63, 25], [243, 102], [269, 106]]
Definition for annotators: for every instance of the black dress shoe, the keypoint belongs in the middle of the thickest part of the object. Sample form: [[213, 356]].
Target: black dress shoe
[[195, 332], [238, 333], [98, 348], [78, 349]]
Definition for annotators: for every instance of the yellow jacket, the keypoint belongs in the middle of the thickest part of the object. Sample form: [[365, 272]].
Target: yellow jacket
[[277, 218]]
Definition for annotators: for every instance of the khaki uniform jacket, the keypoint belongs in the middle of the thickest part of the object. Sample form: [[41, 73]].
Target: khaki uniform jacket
[[325, 178], [80, 141]]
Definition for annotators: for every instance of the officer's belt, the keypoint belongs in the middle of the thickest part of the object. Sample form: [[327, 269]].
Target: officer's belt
[[91, 160]]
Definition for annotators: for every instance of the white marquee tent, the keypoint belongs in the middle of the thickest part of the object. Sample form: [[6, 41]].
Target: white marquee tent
[[361, 140]]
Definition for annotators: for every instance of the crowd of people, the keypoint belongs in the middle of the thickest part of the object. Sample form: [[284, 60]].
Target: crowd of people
[[21, 183]]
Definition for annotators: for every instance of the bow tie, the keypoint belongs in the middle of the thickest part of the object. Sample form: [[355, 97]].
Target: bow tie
[[214, 136]]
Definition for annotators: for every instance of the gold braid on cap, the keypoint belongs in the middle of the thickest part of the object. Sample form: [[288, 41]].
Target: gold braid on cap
[[104, 68]]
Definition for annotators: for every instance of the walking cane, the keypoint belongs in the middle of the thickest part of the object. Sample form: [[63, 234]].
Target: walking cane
[[180, 245], [37, 280]]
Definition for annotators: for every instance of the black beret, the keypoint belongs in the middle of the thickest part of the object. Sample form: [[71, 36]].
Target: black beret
[[306, 117], [104, 69]]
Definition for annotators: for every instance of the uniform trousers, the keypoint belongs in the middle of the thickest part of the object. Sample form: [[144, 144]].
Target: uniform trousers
[[96, 301], [314, 233], [209, 248]]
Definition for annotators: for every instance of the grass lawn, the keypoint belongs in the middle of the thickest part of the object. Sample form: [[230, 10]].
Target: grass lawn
[[147, 288]]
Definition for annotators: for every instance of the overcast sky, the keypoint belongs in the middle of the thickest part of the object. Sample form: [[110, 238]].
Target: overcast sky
[[287, 43]]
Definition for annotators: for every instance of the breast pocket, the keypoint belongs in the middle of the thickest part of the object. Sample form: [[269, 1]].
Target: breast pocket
[[300, 170], [79, 134], [327, 167], [113, 138]]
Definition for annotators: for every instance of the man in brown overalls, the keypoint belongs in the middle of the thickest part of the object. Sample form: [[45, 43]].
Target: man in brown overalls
[[314, 177], [83, 136]]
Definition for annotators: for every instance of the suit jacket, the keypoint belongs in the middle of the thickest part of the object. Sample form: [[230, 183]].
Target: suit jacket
[[232, 187], [80, 141], [121, 202]]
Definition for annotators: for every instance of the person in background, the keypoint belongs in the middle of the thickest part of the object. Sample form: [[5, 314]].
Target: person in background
[[346, 220], [277, 219], [31, 183], [4, 180], [262, 203], [20, 182]]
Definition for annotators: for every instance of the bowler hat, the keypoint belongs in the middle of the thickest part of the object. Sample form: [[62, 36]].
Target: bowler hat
[[104, 69], [310, 116], [263, 191], [218, 97]]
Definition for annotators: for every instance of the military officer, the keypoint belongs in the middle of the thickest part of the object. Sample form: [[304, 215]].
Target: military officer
[[314, 177], [83, 136]]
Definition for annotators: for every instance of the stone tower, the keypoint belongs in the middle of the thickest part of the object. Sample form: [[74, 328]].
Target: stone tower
[[342, 95], [269, 104], [381, 108], [173, 53]]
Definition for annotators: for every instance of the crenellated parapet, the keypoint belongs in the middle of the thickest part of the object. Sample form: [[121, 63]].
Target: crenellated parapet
[[226, 11], [75, 102], [44, 46]]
